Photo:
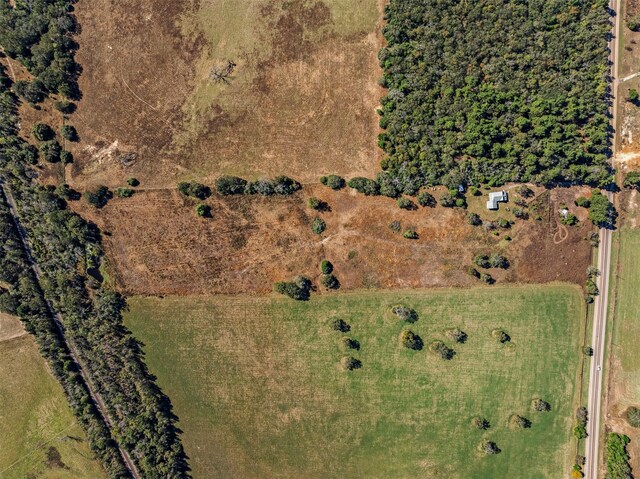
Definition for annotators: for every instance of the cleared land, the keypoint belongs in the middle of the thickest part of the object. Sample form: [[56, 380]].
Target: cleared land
[[257, 385], [39, 437], [624, 379], [156, 244], [301, 99]]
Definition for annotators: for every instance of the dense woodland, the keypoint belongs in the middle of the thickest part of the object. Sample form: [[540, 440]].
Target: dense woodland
[[69, 252], [492, 91]]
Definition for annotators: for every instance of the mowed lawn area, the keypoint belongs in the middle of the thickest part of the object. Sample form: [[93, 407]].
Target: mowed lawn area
[[39, 437], [260, 393]]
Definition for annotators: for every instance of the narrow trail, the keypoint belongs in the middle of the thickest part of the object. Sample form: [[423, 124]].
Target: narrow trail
[[95, 396]]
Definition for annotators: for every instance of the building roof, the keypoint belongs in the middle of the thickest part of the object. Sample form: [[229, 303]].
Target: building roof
[[496, 197]]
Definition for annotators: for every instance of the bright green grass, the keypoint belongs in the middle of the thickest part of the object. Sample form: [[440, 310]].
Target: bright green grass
[[626, 325], [259, 392], [35, 416]]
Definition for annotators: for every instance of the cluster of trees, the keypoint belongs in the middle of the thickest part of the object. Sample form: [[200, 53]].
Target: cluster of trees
[[234, 185], [327, 279], [334, 182], [580, 429], [69, 253], [617, 457], [349, 363], [513, 91], [39, 33], [194, 189], [590, 285]]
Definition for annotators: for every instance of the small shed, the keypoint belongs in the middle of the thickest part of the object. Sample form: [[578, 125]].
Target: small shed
[[496, 197]]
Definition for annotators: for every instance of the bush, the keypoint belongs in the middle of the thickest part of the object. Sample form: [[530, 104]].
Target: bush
[[520, 214], [133, 182], [196, 190], [487, 278], [32, 92], [334, 182], [500, 335], [498, 261], [471, 271], [524, 191], [576, 472], [69, 132], [540, 406], [411, 340], [633, 416], [587, 351], [318, 226], [480, 423], [364, 185], [298, 289], [410, 234], [583, 202], [406, 204], [42, 132], [447, 200], [204, 211], [350, 363], [633, 95], [330, 281], [326, 267], [474, 219], [64, 106], [580, 432], [316, 204], [283, 185], [395, 226], [405, 314], [340, 325], [442, 350], [569, 219], [426, 199], [482, 260], [124, 192], [457, 335], [351, 343], [520, 422], [99, 197], [66, 157], [230, 185], [489, 447]]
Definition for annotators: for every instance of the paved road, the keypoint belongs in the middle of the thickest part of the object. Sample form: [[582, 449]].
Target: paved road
[[601, 302], [95, 396]]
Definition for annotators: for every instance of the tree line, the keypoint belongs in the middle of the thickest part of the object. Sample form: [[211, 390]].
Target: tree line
[[494, 91], [68, 250]]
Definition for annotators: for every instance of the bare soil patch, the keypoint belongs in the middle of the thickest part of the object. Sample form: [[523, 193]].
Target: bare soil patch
[[301, 101], [157, 245]]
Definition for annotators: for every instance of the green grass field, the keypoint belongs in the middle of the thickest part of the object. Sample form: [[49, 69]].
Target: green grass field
[[39, 437], [259, 391]]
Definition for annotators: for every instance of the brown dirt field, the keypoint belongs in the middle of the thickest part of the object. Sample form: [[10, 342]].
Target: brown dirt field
[[302, 102], [157, 245]]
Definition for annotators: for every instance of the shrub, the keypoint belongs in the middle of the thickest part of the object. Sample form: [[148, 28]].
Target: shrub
[[442, 350], [500, 335], [457, 335], [569, 219], [498, 261], [504, 224], [489, 447], [480, 423], [334, 182], [32, 92], [406, 204], [474, 219], [487, 278], [540, 405], [330, 281], [633, 95], [350, 363], [124, 192], [583, 202], [587, 351], [69, 132], [520, 422], [99, 197], [317, 204], [298, 289], [364, 185], [524, 191], [204, 211], [461, 202], [64, 106], [326, 267], [520, 214], [631, 180], [197, 190], [576, 472], [410, 234], [474, 191], [230, 185], [351, 343], [580, 432], [471, 271], [395, 226], [426, 199], [259, 187], [405, 314], [447, 200], [42, 132], [283, 185], [411, 340], [482, 260], [318, 226], [340, 325], [66, 157], [133, 182], [633, 416]]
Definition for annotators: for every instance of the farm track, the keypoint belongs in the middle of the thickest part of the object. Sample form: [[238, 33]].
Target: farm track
[[95, 396]]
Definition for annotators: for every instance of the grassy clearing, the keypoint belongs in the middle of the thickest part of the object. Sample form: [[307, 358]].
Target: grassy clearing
[[39, 437], [259, 391]]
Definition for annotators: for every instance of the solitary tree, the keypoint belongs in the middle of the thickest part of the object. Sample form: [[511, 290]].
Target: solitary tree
[[480, 423], [489, 447], [222, 73], [350, 363], [411, 340], [340, 325]]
